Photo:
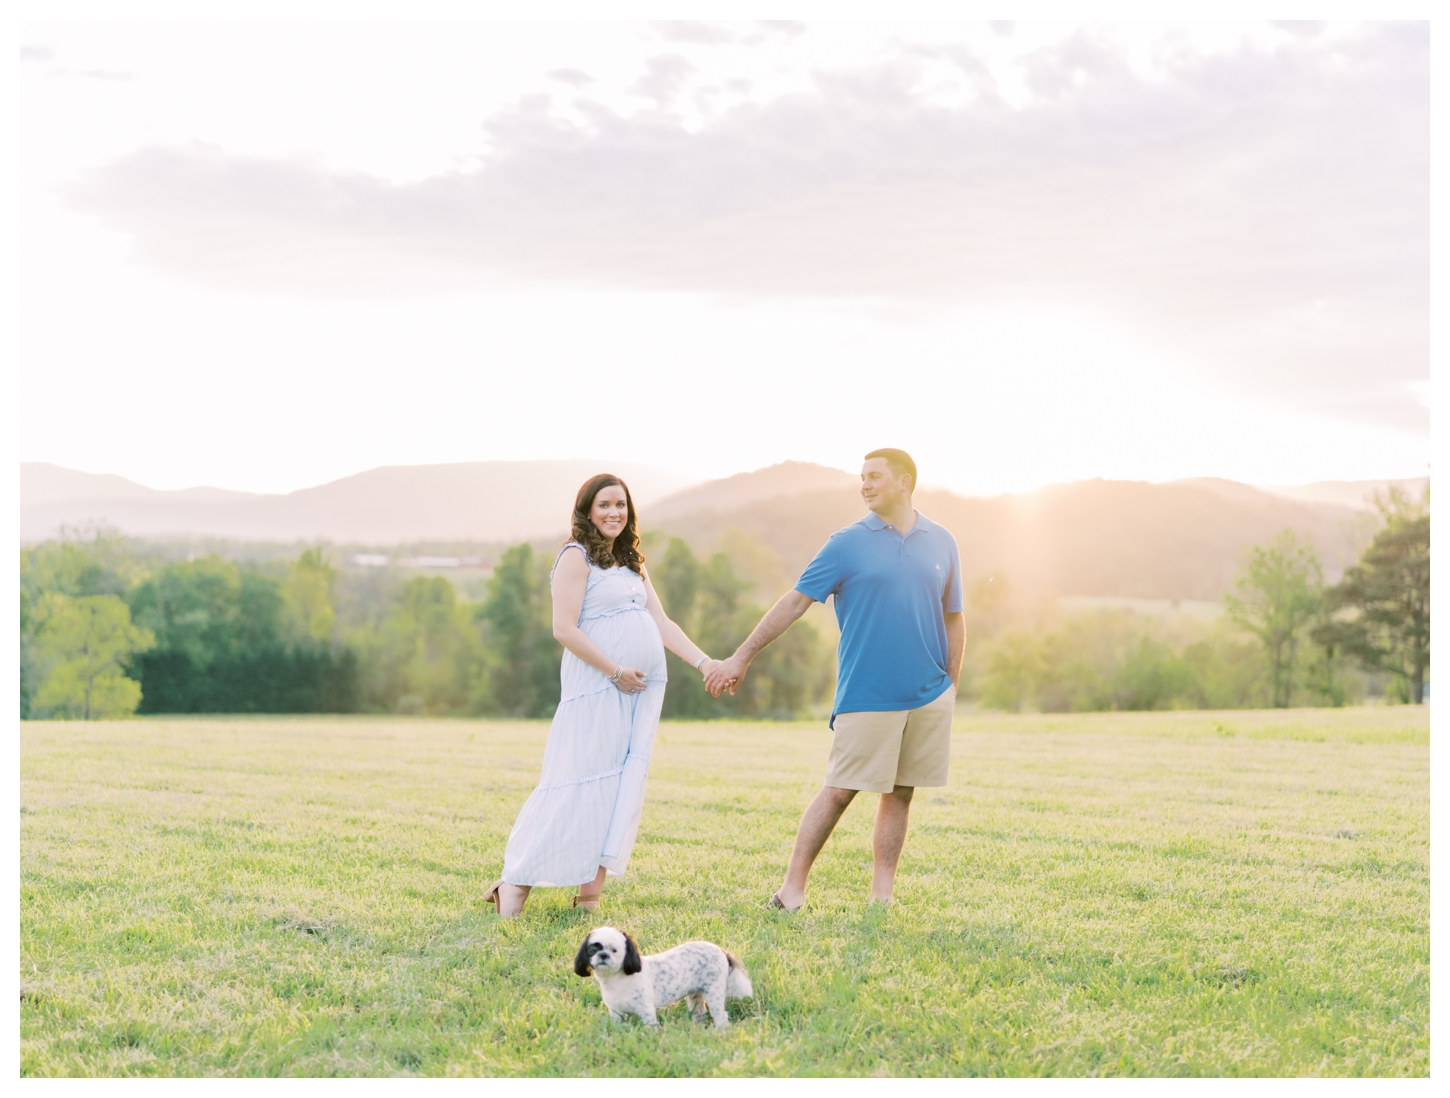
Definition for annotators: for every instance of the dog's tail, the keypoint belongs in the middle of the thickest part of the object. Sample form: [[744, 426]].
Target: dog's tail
[[737, 984]]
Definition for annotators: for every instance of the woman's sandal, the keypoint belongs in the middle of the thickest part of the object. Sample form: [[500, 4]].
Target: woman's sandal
[[586, 903], [777, 904], [491, 896]]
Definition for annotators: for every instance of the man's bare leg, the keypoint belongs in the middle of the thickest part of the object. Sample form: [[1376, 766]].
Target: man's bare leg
[[819, 820], [887, 841]]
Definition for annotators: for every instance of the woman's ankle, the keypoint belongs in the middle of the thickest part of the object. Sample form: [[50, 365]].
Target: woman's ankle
[[591, 890], [511, 899]]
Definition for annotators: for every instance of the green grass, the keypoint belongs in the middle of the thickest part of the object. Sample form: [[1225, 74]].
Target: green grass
[[1110, 894]]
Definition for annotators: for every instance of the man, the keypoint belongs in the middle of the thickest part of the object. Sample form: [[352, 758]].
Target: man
[[897, 586]]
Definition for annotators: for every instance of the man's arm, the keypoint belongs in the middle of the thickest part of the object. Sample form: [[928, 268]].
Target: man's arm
[[780, 617], [956, 645]]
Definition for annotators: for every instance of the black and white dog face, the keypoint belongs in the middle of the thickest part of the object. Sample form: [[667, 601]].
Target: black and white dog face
[[608, 950]]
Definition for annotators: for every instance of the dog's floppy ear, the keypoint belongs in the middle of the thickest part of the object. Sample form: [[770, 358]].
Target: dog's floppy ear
[[582, 967], [631, 957]]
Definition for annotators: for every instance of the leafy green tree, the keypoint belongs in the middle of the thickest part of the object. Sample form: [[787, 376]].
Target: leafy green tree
[[1279, 593], [80, 563], [1327, 677], [1104, 659], [224, 645], [1079, 661], [194, 609], [1381, 608], [681, 581], [81, 648], [308, 590], [676, 579], [1014, 670], [706, 600], [1229, 671], [1118, 660], [519, 627], [990, 607], [789, 677], [1152, 677], [427, 656]]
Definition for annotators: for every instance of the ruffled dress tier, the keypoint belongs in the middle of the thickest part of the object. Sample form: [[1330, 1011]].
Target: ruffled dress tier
[[585, 811]]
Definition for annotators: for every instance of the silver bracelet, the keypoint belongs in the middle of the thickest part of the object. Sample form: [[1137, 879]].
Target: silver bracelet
[[701, 660], [618, 671]]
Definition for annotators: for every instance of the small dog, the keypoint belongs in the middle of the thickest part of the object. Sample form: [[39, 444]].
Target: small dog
[[701, 972]]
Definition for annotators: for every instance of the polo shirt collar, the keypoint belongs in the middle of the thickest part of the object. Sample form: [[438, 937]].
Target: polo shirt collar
[[874, 521]]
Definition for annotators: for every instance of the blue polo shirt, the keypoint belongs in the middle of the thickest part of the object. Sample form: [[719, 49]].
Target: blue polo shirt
[[890, 592]]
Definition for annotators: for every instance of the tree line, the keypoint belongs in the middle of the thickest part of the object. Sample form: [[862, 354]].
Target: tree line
[[108, 630], [1285, 638]]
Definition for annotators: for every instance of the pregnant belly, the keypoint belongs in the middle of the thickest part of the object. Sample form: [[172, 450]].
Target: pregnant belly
[[630, 638]]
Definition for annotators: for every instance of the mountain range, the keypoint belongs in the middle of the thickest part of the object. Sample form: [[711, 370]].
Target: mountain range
[[476, 500], [1095, 537], [1181, 540]]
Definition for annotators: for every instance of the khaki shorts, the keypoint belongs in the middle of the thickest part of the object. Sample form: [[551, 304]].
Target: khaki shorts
[[875, 752]]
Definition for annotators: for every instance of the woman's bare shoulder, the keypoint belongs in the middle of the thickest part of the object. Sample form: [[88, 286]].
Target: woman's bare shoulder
[[572, 564]]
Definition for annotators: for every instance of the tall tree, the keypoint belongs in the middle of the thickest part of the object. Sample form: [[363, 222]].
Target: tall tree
[[81, 562], [518, 612], [1279, 592], [193, 609], [428, 654], [97, 561], [677, 580], [704, 599], [308, 589], [81, 649], [224, 646], [1382, 605]]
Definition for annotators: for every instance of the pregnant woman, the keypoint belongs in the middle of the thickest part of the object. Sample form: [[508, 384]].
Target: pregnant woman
[[579, 823]]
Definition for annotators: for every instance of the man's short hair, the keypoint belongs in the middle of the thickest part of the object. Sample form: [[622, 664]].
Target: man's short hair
[[900, 462]]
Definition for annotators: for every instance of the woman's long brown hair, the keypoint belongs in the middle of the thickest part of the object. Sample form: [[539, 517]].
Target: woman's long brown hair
[[625, 550]]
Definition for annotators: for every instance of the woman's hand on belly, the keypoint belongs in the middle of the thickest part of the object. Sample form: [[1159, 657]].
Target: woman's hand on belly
[[631, 680]]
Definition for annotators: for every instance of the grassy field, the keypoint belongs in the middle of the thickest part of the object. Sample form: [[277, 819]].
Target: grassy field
[[1110, 894]]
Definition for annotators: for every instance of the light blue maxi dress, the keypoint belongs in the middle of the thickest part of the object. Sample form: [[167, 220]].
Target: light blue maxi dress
[[585, 811]]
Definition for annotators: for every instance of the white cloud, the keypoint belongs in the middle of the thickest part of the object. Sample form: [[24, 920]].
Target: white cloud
[[1028, 256], [1268, 202]]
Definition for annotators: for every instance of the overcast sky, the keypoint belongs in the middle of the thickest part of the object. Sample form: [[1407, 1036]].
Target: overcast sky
[[263, 256]]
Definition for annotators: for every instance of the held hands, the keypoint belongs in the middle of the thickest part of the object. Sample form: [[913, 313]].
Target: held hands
[[724, 674], [707, 668], [631, 680]]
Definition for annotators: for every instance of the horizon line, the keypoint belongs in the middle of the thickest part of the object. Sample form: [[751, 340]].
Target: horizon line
[[926, 485]]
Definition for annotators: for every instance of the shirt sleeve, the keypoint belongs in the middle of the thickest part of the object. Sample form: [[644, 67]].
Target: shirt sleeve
[[951, 599], [823, 575]]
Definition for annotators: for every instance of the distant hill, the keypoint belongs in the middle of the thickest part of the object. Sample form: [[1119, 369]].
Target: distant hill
[[482, 500], [1095, 537], [43, 484], [1348, 493], [789, 478]]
